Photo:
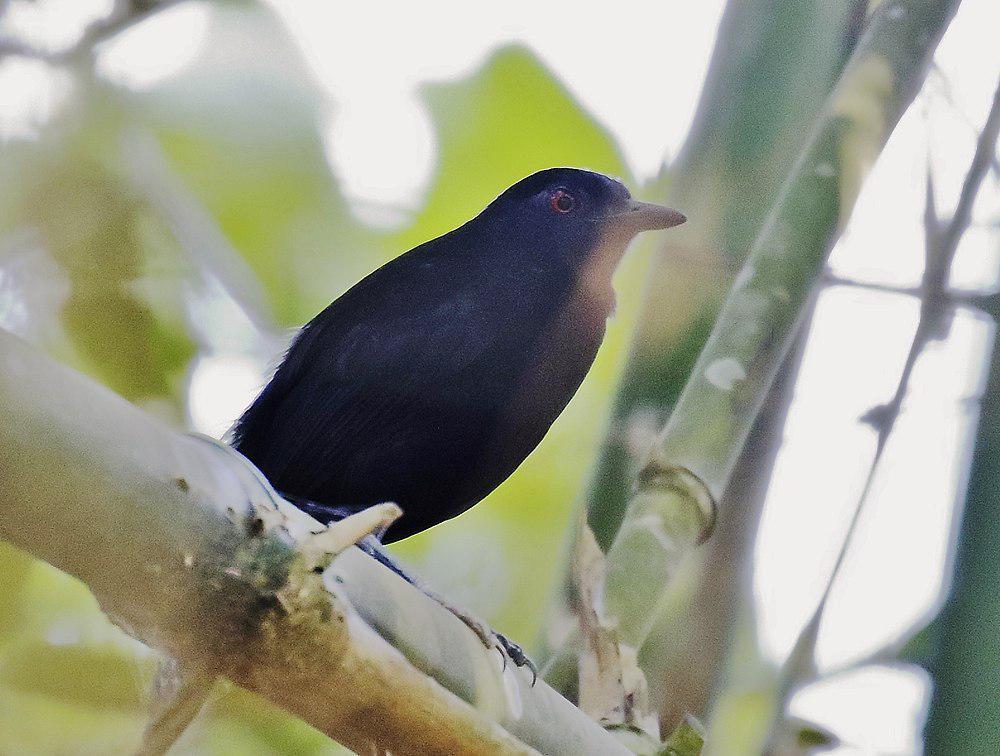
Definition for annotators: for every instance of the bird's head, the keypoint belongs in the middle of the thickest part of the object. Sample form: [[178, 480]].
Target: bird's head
[[574, 216]]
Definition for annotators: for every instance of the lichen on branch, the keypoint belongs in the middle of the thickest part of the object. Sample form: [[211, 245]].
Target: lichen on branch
[[190, 550]]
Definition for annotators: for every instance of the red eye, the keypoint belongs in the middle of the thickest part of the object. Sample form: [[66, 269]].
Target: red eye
[[562, 201]]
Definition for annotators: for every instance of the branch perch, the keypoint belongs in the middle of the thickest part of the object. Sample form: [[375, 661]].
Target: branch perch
[[190, 551]]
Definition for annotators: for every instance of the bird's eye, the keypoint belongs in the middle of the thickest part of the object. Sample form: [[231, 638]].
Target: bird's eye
[[562, 201]]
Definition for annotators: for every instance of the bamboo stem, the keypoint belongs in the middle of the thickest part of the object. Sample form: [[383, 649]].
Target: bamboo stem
[[691, 462], [188, 549]]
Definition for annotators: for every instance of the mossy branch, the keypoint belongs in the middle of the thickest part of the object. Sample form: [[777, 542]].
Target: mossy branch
[[188, 549]]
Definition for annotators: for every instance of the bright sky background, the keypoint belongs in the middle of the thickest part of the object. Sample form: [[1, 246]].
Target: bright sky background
[[372, 69], [370, 64]]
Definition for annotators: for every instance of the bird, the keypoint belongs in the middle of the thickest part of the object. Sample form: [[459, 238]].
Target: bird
[[431, 380]]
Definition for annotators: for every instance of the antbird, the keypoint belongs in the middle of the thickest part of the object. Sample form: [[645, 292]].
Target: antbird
[[430, 380]]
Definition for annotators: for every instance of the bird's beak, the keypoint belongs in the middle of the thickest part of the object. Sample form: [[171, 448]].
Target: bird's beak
[[647, 216]]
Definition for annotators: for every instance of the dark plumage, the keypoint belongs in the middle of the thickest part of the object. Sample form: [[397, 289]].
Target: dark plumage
[[431, 380]]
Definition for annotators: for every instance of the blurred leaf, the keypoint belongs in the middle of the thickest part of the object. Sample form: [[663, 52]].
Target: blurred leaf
[[96, 677], [687, 738], [249, 148], [90, 224], [486, 140], [274, 729], [74, 212], [810, 737], [740, 723], [42, 726], [15, 566]]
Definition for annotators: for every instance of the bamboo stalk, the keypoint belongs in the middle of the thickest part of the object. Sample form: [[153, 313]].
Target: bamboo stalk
[[188, 549], [756, 107], [965, 710], [754, 114], [691, 462]]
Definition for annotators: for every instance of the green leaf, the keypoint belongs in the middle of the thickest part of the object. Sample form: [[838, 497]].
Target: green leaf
[[15, 566], [249, 149], [511, 118], [687, 738], [74, 204], [102, 677], [810, 737], [272, 727], [34, 724]]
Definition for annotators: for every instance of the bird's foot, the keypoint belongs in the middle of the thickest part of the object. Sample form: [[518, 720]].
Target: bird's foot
[[516, 654], [494, 640], [491, 639]]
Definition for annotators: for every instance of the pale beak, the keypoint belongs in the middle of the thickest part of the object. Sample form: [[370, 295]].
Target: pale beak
[[647, 216]]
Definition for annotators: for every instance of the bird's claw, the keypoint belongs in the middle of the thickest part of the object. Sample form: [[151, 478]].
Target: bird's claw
[[503, 656], [492, 640], [512, 651], [501, 644]]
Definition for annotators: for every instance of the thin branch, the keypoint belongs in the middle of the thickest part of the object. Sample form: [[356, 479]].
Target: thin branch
[[949, 97], [941, 245], [831, 279], [124, 16], [949, 297]]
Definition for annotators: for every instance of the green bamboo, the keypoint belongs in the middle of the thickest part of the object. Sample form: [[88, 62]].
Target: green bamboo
[[693, 457], [756, 108], [965, 708], [709, 640]]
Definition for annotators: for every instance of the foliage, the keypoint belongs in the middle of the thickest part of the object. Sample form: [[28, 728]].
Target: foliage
[[120, 275], [133, 204]]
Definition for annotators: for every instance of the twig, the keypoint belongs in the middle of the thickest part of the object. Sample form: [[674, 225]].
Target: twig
[[177, 713], [941, 246], [950, 297], [125, 15]]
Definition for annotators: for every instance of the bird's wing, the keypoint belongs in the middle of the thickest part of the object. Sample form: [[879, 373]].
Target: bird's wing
[[362, 379]]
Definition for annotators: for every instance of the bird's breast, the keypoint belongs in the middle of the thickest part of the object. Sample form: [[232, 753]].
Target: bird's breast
[[547, 376]]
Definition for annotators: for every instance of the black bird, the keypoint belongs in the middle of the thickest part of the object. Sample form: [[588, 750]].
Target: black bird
[[430, 381]]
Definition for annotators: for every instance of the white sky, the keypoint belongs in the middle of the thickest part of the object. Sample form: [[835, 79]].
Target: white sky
[[372, 65], [371, 62]]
